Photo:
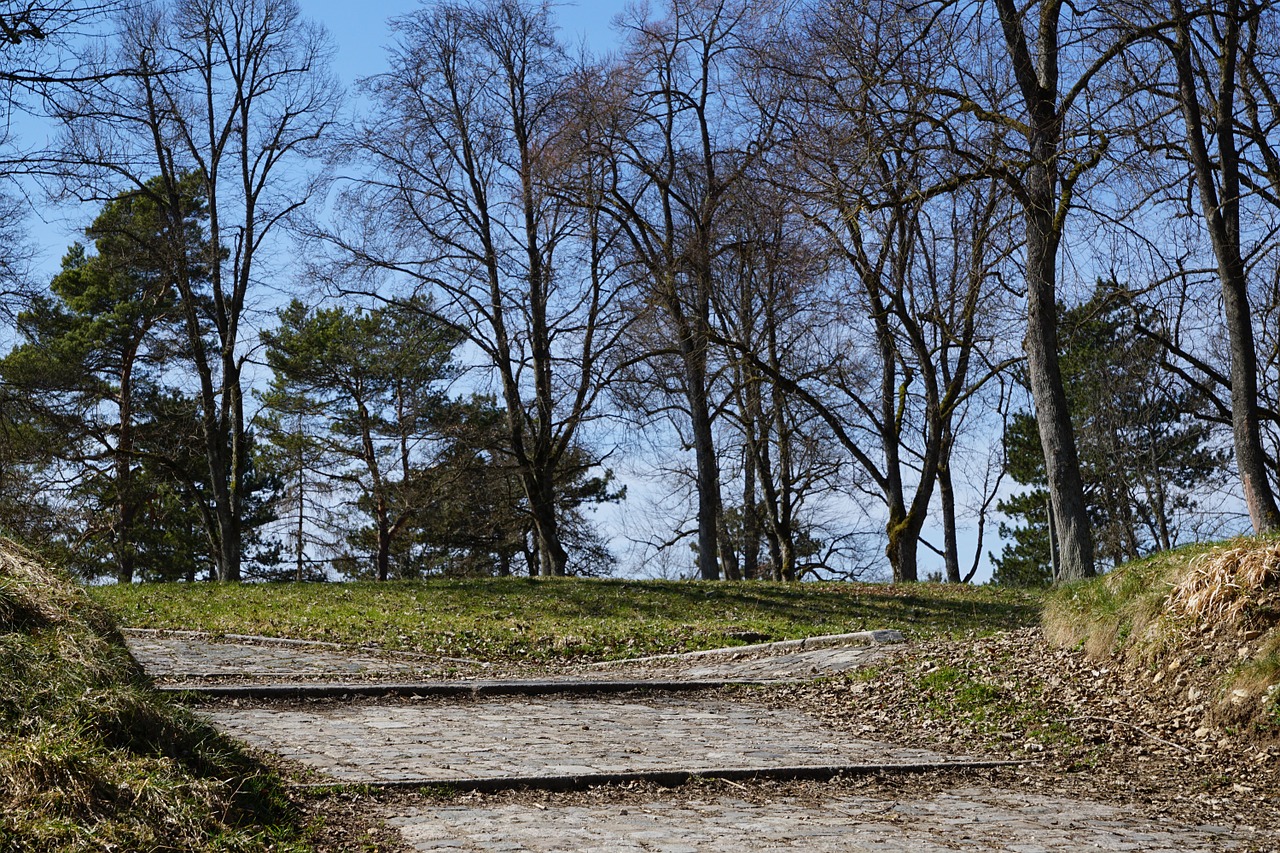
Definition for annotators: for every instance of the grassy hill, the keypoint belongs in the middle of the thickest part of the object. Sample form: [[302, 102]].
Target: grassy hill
[[92, 759], [1202, 615], [550, 620]]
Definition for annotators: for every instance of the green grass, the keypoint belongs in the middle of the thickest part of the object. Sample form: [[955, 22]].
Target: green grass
[[1119, 610], [565, 619], [92, 759], [971, 695]]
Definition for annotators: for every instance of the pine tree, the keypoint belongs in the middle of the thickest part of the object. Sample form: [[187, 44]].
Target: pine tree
[[1142, 453]]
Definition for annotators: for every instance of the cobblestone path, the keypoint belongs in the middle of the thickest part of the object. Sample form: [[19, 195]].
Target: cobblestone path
[[178, 658], [966, 819], [546, 739], [455, 742]]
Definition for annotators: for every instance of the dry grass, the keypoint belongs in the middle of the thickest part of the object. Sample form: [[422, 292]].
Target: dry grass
[[1226, 584], [1119, 611], [30, 598], [1217, 606]]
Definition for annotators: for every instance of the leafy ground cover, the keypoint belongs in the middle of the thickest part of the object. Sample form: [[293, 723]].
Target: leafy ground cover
[[1153, 686], [92, 759], [1087, 728], [553, 620], [1203, 619]]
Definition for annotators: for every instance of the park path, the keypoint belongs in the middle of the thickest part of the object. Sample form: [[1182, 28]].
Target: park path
[[405, 721]]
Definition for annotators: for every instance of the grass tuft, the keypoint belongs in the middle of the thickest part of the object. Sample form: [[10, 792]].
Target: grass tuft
[[1225, 583], [566, 619]]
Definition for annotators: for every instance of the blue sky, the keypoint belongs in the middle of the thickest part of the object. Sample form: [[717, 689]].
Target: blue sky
[[360, 28]]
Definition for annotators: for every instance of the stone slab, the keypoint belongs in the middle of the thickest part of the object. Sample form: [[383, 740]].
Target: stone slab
[[790, 666], [181, 659], [439, 742], [965, 819], [174, 657]]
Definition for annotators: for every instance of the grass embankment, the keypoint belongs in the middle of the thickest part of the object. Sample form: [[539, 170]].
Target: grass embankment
[[552, 620], [91, 759], [1205, 612]]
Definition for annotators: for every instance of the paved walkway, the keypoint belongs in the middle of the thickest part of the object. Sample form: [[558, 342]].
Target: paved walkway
[[181, 657], [178, 658], [967, 819], [547, 737], [558, 741]]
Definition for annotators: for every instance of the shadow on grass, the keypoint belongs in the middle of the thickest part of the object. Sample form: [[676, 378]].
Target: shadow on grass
[[688, 614]]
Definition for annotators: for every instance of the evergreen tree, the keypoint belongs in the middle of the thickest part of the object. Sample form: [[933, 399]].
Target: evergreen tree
[[94, 350], [1142, 454], [353, 401]]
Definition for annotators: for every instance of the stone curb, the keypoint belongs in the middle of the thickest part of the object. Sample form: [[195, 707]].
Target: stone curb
[[287, 642], [448, 689], [826, 641], [240, 638], [665, 778]]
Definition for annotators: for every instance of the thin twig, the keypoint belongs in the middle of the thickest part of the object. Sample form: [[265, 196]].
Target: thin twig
[[1138, 729]]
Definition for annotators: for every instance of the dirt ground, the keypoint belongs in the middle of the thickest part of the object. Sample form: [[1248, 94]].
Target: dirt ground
[[1152, 741]]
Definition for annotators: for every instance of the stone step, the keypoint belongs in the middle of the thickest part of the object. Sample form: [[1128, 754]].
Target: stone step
[[554, 738]]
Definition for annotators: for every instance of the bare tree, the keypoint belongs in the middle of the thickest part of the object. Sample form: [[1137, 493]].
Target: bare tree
[[478, 194], [235, 92], [916, 234], [1208, 50], [769, 297], [1044, 135], [37, 52], [687, 133]]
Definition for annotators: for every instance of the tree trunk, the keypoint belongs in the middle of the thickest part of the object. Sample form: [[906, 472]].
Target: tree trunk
[[750, 520], [1222, 217], [901, 529], [904, 543], [1038, 81], [1053, 417], [553, 560], [951, 545], [708, 467], [126, 501], [382, 561]]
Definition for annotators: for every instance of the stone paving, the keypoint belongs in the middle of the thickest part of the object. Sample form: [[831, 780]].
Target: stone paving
[[179, 657], [760, 666], [453, 742], [966, 819], [176, 658], [524, 738]]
